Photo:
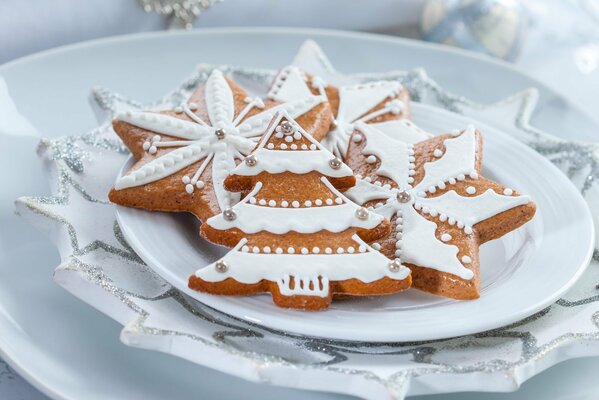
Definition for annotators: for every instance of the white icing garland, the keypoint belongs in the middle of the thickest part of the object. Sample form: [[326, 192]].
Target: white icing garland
[[392, 154], [222, 142], [297, 162], [253, 218]]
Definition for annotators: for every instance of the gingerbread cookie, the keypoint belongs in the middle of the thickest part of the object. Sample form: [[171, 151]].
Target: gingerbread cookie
[[184, 155], [379, 103], [441, 207], [295, 234]]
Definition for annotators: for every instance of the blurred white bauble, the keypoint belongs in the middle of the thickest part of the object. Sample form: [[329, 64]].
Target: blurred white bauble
[[494, 27]]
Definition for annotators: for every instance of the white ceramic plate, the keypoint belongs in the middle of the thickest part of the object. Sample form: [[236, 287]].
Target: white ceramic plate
[[521, 273], [69, 351]]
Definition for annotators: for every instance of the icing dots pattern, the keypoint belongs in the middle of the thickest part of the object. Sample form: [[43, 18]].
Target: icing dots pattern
[[320, 202], [357, 105], [415, 208]]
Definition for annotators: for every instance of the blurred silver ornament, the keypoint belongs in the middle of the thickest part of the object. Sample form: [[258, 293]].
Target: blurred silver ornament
[[493, 27], [181, 14]]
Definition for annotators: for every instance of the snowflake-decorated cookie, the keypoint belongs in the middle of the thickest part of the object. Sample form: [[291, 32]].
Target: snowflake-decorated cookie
[[184, 155], [295, 234], [381, 103], [441, 207]]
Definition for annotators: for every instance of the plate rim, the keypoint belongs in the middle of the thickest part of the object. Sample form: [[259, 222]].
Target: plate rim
[[274, 320]]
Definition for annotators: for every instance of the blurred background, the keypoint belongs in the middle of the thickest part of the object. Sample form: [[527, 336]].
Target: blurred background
[[556, 40]]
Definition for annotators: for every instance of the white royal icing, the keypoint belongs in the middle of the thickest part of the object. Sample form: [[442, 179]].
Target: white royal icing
[[402, 129], [472, 210], [355, 105], [356, 101], [161, 167], [421, 247], [315, 269], [252, 218], [298, 162], [290, 85], [458, 161], [416, 240], [221, 106], [239, 138], [393, 155]]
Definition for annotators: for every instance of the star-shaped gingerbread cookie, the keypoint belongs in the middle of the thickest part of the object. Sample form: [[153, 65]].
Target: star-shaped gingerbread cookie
[[441, 206], [184, 155], [384, 104]]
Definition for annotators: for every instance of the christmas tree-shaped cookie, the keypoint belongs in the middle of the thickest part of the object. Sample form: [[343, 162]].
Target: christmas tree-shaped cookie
[[295, 235]]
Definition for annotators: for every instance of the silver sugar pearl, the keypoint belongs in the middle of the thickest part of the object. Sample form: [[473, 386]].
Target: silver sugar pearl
[[403, 196], [221, 266], [286, 127], [335, 163], [395, 265], [334, 124], [362, 213], [251, 160], [229, 214], [220, 134]]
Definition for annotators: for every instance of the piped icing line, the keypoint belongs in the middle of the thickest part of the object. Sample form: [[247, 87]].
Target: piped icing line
[[363, 192], [451, 167], [356, 104], [394, 155], [250, 103], [196, 118], [161, 167], [468, 211], [421, 247], [253, 218], [221, 108], [290, 84], [367, 267], [165, 124], [355, 101], [226, 140], [256, 124]]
